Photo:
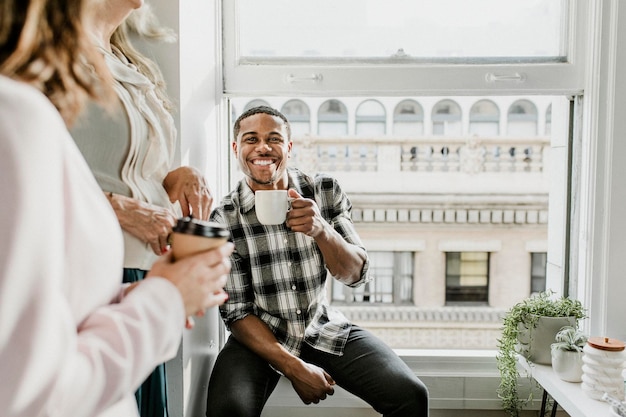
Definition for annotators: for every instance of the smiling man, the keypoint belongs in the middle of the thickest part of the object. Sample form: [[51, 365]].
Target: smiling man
[[277, 312]]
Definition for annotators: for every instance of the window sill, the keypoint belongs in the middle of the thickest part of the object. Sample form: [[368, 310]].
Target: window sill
[[456, 380]]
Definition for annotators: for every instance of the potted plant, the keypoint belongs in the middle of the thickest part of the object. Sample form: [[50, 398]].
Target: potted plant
[[523, 334], [567, 354]]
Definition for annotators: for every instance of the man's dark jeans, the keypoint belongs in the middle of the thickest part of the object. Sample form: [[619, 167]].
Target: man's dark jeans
[[241, 382]]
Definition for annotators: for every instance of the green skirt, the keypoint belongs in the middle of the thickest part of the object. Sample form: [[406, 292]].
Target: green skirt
[[151, 395]]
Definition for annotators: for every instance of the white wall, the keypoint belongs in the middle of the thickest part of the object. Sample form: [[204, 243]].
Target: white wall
[[192, 69]]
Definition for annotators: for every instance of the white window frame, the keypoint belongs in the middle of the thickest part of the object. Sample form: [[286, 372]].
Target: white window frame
[[289, 78], [593, 66]]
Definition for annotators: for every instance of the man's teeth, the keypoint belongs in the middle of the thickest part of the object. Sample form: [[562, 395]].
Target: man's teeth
[[263, 162]]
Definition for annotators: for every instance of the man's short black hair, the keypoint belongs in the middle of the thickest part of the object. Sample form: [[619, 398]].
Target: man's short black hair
[[260, 109]]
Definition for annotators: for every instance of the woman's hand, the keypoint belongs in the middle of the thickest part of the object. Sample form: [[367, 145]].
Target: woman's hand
[[188, 186], [149, 223], [200, 278]]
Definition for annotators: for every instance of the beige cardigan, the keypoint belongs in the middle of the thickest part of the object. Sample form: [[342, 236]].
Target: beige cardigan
[[131, 151]]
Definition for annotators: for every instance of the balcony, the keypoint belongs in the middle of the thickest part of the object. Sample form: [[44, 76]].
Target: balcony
[[435, 165], [435, 154]]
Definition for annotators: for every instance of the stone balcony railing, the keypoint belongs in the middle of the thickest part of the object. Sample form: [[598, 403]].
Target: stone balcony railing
[[431, 328], [456, 180], [471, 155], [403, 314]]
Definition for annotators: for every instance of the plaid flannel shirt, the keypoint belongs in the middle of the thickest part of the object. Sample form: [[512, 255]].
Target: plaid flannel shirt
[[279, 275]]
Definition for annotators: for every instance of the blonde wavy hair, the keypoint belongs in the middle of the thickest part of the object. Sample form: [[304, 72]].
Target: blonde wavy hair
[[144, 23], [43, 43]]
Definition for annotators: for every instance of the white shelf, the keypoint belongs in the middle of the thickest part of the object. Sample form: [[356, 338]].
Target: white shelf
[[569, 395]]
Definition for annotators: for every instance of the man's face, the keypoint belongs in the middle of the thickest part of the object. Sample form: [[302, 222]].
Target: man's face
[[262, 148]]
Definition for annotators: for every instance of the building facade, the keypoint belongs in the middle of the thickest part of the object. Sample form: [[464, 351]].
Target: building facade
[[450, 196]]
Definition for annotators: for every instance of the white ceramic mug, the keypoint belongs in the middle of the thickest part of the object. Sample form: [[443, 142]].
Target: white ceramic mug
[[271, 206]]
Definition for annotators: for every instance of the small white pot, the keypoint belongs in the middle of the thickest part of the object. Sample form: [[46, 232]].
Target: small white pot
[[567, 365]]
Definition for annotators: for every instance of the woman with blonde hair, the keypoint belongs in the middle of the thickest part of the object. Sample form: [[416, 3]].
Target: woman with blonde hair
[[74, 341], [131, 154]]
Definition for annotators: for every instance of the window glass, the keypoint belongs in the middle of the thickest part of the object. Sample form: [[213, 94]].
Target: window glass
[[392, 281], [288, 48], [437, 183], [538, 272], [423, 204], [446, 118], [484, 119], [403, 29], [299, 115], [467, 277], [332, 118], [255, 103], [370, 118], [408, 119], [522, 119]]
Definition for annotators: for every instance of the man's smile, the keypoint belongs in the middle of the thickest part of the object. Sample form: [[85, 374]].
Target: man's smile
[[263, 162]]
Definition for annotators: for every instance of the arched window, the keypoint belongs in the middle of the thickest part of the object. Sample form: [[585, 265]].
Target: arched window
[[548, 130], [299, 117], [484, 119], [370, 118], [408, 119], [255, 103], [332, 118], [522, 119], [446, 118]]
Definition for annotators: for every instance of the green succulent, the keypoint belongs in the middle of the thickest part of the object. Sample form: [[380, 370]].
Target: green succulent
[[570, 339]]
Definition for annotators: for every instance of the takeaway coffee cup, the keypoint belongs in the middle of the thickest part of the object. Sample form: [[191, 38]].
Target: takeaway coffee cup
[[271, 206], [191, 236]]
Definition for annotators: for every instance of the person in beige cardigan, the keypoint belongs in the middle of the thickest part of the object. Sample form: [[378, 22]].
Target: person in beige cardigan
[[131, 153]]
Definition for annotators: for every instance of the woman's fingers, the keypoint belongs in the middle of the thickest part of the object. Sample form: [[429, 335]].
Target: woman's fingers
[[200, 278], [215, 299]]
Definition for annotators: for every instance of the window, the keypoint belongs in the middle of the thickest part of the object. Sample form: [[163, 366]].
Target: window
[[467, 278], [332, 119], [370, 119], [446, 118], [538, 263], [392, 282], [470, 208], [255, 103], [548, 128], [402, 29], [408, 119], [382, 47], [446, 93], [299, 117], [484, 119], [590, 61], [522, 119]]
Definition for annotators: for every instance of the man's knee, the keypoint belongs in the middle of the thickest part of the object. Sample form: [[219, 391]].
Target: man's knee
[[417, 399]]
